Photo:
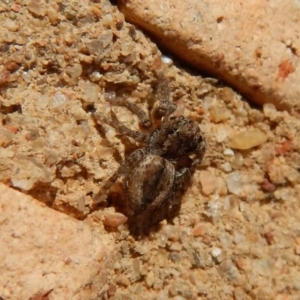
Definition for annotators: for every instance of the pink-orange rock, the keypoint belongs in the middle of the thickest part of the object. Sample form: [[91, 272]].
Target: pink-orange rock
[[44, 251], [113, 219], [254, 46], [208, 182]]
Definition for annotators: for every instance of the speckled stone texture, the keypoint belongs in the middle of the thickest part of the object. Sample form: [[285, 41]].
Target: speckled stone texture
[[45, 251], [236, 235], [254, 46]]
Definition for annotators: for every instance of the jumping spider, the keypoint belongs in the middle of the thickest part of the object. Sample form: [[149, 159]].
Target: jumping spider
[[154, 175]]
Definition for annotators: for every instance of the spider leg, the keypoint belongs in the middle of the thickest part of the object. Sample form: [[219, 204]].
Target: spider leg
[[199, 156], [121, 128], [143, 117], [102, 194], [123, 170], [181, 177], [165, 107]]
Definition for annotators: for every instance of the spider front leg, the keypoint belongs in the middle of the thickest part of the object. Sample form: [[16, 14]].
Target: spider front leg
[[123, 170], [165, 107], [121, 128], [199, 154], [143, 117], [181, 178]]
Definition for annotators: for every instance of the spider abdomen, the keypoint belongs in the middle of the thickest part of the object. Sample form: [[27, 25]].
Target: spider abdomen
[[149, 185]]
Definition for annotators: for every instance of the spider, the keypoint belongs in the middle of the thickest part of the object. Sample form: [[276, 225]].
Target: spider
[[154, 175]]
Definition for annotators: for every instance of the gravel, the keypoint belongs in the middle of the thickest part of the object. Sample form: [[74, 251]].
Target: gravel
[[237, 233]]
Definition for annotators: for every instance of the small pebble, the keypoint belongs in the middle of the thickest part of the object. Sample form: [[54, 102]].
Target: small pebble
[[264, 266], [136, 266], [150, 279], [284, 194], [6, 137], [297, 250], [10, 25], [219, 114], [234, 183], [162, 241], [208, 182], [291, 174], [174, 257], [58, 99], [199, 230], [228, 270], [35, 8], [269, 110], [226, 167], [74, 71], [113, 218], [23, 184], [228, 152], [167, 60], [215, 251], [268, 186], [123, 280], [238, 161], [239, 294], [171, 232], [90, 91], [96, 76], [176, 246], [247, 139]]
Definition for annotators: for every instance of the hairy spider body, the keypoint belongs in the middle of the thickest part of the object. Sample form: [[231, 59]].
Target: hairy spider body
[[149, 196], [153, 175], [176, 138]]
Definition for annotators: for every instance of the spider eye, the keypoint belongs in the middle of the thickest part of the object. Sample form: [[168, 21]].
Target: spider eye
[[174, 130]]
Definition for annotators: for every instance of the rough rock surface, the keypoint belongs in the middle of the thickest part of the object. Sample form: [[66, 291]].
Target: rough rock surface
[[46, 252], [254, 46], [237, 233]]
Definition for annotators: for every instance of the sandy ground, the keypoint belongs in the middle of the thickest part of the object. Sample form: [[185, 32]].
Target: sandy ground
[[237, 234]]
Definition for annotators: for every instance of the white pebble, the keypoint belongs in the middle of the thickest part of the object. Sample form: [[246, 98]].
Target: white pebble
[[23, 184], [234, 183], [59, 99], [228, 152], [269, 109], [221, 135], [215, 252], [226, 167], [167, 60], [96, 76]]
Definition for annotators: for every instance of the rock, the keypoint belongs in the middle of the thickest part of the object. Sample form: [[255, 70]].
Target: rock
[[228, 152], [150, 279], [6, 137], [199, 229], [208, 182], [247, 139], [74, 71], [297, 250], [91, 91], [226, 167], [36, 8], [113, 218], [171, 232], [211, 36], [235, 183], [228, 269], [215, 252], [43, 250], [268, 186]]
